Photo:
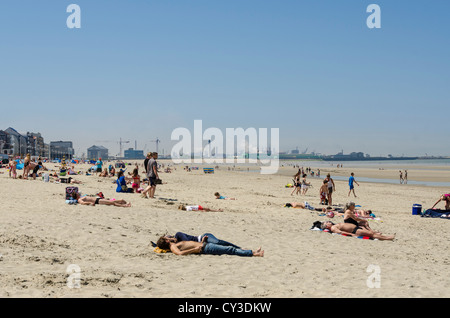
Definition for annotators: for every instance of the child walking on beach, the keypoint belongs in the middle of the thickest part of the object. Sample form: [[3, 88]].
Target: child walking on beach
[[352, 180]]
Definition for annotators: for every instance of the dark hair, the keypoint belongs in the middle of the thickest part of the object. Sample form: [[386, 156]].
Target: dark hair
[[316, 224], [217, 194], [163, 243], [120, 173]]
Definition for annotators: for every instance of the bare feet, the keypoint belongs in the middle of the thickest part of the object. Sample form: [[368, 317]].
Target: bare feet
[[258, 252]]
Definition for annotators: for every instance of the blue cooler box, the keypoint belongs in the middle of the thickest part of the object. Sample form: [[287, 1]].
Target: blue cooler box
[[417, 209]]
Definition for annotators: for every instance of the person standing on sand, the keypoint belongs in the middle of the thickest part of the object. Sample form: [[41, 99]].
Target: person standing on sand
[[352, 180], [152, 174], [149, 155], [99, 165], [26, 168], [331, 188], [401, 176], [405, 178], [12, 168]]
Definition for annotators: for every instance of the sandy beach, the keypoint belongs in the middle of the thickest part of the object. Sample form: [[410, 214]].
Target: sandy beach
[[41, 237]]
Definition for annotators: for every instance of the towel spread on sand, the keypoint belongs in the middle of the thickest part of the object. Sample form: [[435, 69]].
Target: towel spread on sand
[[442, 214], [157, 249]]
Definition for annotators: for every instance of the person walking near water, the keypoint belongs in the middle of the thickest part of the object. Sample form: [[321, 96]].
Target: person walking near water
[[352, 180], [405, 178], [401, 176]]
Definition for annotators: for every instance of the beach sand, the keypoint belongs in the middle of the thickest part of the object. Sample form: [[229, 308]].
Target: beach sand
[[41, 237]]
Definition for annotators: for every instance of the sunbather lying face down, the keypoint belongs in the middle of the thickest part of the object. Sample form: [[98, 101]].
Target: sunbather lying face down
[[354, 230], [93, 201], [197, 208]]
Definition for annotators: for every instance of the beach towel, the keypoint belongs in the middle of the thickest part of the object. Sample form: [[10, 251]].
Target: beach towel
[[157, 249], [442, 214]]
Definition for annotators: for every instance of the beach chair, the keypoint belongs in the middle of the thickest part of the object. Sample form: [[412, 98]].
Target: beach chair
[[208, 170]]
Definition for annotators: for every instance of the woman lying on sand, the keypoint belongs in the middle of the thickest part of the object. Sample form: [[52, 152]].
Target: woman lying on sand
[[93, 201], [197, 208], [353, 230]]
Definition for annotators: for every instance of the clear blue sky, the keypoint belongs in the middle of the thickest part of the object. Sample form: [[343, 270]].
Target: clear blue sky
[[138, 69]]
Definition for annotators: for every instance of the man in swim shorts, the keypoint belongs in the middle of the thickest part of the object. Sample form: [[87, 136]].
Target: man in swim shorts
[[352, 180]]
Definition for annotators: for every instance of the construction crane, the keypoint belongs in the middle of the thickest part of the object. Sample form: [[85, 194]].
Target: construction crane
[[157, 141]]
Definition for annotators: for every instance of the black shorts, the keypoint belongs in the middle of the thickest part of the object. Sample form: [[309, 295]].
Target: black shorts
[[99, 169], [152, 181], [35, 170]]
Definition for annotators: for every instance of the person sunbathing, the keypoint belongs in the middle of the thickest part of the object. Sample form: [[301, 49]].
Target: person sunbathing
[[353, 230], [351, 218], [197, 208], [210, 238], [204, 247], [104, 173], [221, 197], [301, 205], [67, 180], [93, 201]]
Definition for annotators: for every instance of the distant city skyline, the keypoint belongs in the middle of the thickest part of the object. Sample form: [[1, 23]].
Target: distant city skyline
[[314, 69]]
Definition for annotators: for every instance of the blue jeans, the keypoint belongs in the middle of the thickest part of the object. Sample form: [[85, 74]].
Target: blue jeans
[[216, 249], [214, 240]]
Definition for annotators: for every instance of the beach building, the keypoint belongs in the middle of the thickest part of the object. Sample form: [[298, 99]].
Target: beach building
[[5, 147], [17, 141], [96, 152], [59, 149], [35, 144], [134, 154]]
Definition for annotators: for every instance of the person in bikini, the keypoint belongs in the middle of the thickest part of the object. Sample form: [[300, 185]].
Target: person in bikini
[[204, 247], [93, 201], [351, 218], [354, 230], [13, 168], [446, 199], [26, 168]]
